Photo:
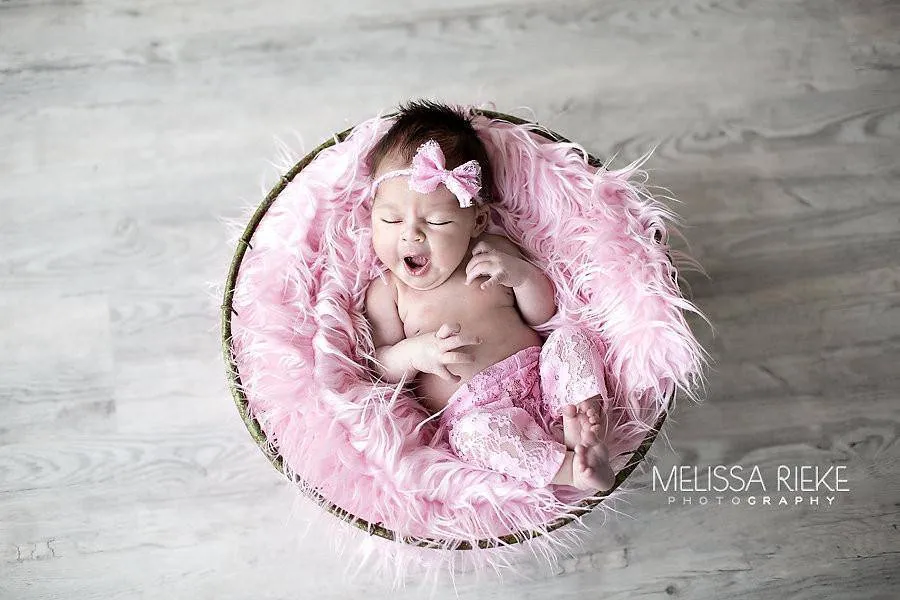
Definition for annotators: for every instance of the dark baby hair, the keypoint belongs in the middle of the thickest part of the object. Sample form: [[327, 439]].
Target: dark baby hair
[[423, 120]]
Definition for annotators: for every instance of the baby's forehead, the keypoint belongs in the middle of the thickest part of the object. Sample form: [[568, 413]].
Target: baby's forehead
[[431, 201], [391, 162]]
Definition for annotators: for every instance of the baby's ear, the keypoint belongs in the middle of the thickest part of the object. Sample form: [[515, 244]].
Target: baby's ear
[[482, 214]]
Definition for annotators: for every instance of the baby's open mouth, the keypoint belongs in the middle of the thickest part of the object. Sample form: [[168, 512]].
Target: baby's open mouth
[[414, 262], [416, 265]]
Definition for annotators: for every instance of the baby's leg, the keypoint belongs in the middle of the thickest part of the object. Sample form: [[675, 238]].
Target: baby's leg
[[572, 374], [510, 441]]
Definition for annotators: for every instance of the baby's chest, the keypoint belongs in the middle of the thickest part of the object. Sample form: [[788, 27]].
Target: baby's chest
[[460, 303]]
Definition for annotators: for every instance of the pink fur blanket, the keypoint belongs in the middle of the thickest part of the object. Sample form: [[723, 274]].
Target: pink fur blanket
[[301, 341]]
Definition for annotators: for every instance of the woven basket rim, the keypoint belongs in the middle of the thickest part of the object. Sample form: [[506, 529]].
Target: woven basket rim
[[253, 426]]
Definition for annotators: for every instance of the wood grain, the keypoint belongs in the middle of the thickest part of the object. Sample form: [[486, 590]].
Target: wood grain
[[128, 132]]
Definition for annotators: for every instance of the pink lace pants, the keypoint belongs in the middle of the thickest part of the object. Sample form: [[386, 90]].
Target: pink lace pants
[[508, 417]]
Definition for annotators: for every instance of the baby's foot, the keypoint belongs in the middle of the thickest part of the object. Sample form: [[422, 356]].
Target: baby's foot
[[589, 410], [590, 468], [572, 426]]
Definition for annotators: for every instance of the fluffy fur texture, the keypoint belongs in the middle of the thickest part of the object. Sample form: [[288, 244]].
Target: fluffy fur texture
[[301, 340]]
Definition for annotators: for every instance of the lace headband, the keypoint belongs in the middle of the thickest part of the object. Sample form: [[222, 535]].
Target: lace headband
[[427, 172]]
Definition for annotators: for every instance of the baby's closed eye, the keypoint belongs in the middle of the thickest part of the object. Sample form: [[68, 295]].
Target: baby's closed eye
[[429, 222]]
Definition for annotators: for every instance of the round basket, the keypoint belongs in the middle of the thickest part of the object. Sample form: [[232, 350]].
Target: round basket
[[240, 399]]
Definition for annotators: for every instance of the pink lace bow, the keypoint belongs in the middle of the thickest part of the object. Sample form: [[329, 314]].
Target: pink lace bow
[[428, 171]]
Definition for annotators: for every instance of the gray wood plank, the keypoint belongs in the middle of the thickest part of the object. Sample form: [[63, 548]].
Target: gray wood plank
[[128, 132]]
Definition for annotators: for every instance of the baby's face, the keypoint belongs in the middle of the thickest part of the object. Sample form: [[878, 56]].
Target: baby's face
[[430, 228]]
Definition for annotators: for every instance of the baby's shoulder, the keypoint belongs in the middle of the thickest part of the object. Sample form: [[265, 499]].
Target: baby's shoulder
[[502, 243], [383, 287]]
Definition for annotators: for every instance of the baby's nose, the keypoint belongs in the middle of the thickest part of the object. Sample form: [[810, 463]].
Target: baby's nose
[[413, 233]]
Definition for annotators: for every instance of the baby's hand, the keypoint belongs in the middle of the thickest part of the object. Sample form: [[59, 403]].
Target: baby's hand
[[502, 268], [431, 352]]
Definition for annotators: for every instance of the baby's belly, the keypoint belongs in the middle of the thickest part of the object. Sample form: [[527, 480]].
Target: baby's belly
[[503, 333]]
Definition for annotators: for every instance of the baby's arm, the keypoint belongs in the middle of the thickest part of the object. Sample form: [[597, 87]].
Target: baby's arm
[[535, 296], [391, 355], [399, 357]]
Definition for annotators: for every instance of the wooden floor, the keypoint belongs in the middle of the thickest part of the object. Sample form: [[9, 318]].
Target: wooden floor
[[127, 130]]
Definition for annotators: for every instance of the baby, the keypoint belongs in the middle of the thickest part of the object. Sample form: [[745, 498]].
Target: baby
[[455, 313]]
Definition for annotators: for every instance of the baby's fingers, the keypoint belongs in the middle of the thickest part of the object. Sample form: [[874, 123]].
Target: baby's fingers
[[476, 269], [481, 247], [447, 329], [457, 358], [455, 341], [494, 280]]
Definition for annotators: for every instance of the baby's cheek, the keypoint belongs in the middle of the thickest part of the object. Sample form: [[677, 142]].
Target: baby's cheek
[[381, 250], [455, 259]]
